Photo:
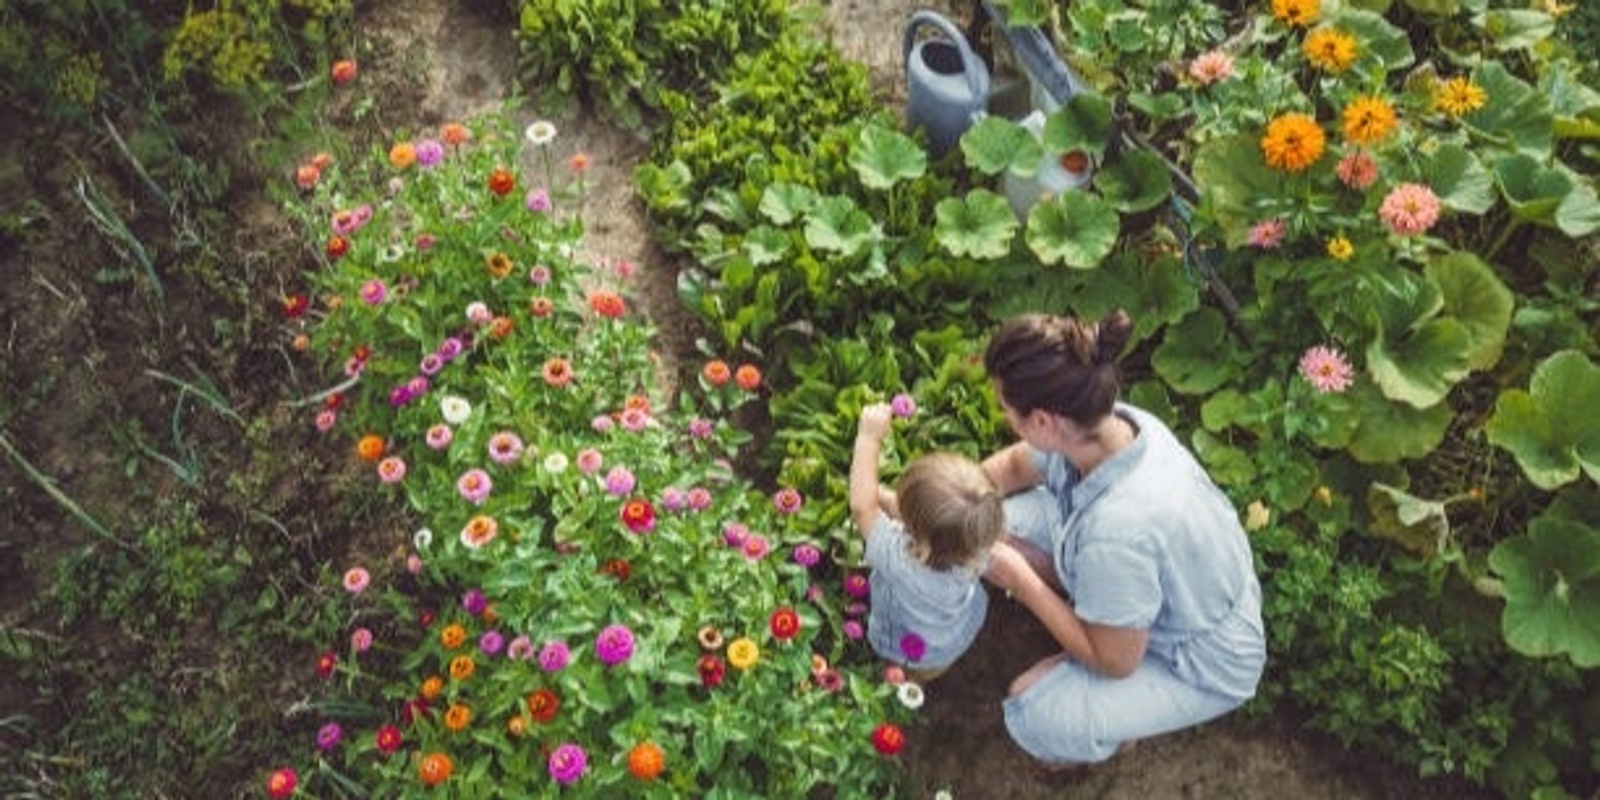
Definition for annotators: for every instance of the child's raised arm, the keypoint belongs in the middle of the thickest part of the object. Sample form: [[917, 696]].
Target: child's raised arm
[[864, 506]]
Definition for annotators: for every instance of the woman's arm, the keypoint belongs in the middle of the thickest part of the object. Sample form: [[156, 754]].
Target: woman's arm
[[1113, 652], [1012, 469], [864, 490]]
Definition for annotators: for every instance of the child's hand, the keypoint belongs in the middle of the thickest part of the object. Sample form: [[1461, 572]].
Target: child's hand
[[874, 423], [1008, 568]]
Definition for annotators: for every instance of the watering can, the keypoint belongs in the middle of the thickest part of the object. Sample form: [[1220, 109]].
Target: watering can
[[947, 84]]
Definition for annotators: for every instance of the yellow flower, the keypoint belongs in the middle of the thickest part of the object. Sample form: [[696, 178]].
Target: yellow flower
[[1341, 248], [1330, 49], [743, 653], [1459, 96], [1296, 13], [1256, 516], [1293, 142], [1368, 120]]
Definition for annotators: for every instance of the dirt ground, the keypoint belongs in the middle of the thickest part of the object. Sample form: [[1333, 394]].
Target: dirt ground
[[963, 747]]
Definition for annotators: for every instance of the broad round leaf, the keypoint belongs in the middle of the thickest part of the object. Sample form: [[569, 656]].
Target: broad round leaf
[[981, 225], [1077, 229], [1516, 112], [997, 145], [1552, 429], [1138, 181], [837, 225], [1084, 123], [1193, 355], [883, 157], [1551, 577], [1459, 179], [783, 202], [1389, 432], [1475, 297], [1420, 526], [1236, 180]]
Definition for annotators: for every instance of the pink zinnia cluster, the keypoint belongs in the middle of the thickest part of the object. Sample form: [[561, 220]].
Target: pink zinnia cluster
[[1410, 209], [787, 501], [1268, 234], [1357, 170], [619, 481], [1213, 67], [1326, 369], [474, 486]]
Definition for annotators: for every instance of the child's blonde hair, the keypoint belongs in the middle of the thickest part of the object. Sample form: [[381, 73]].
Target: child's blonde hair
[[951, 509]]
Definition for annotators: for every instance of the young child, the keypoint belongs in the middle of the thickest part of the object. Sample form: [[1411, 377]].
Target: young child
[[928, 544]]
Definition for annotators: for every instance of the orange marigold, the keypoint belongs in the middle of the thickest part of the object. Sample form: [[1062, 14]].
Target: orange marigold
[[716, 372], [499, 265], [500, 327], [1293, 142], [435, 768], [452, 636], [454, 133], [462, 667], [646, 761], [370, 447], [432, 687], [607, 304], [403, 155], [1296, 13], [1368, 120], [1329, 49], [748, 376], [457, 717]]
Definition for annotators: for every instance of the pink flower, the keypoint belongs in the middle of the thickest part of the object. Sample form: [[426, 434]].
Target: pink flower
[[755, 547], [699, 498], [1326, 369], [567, 763], [326, 420], [474, 485], [700, 428], [1268, 234], [1357, 170], [1213, 67], [1410, 209], [356, 580], [672, 499], [439, 436], [505, 447], [787, 501], [903, 406], [852, 630], [734, 534], [374, 292], [619, 481], [602, 424], [589, 461], [392, 469], [538, 201], [614, 645], [539, 275], [806, 555], [635, 420], [361, 640], [554, 656], [520, 649]]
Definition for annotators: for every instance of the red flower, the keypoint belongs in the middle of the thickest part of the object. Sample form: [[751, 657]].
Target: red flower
[[711, 671], [501, 182], [295, 305], [785, 624], [607, 304], [334, 401], [388, 739], [543, 705], [415, 709], [426, 617], [281, 782], [326, 662], [888, 738], [344, 71], [337, 246], [639, 516], [616, 568]]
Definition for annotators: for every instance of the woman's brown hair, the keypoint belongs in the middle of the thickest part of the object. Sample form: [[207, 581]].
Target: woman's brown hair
[[1063, 365], [951, 509]]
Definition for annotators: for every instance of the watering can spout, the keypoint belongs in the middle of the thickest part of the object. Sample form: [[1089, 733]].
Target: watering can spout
[[947, 84]]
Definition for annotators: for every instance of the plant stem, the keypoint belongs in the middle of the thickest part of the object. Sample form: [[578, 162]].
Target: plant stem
[[44, 482]]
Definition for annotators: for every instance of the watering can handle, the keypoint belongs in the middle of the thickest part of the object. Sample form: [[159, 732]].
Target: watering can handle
[[977, 80]]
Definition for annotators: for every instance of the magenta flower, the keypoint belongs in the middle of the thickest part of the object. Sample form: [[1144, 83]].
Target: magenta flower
[[620, 481], [429, 153], [474, 485], [787, 501], [567, 763], [374, 292], [329, 736], [913, 646], [602, 424], [672, 499], [853, 630], [474, 601], [806, 555], [449, 349], [431, 364], [614, 644], [1409, 209], [903, 406], [1326, 369], [554, 656], [538, 201], [491, 643], [857, 586], [700, 428]]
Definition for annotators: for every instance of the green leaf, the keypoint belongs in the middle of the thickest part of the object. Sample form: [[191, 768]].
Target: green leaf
[[1420, 526], [1077, 229], [1515, 28], [1228, 465], [884, 157], [1517, 116], [1388, 432], [1379, 38], [1552, 585], [1416, 354], [981, 225], [766, 245], [1552, 429], [664, 189], [1533, 190], [1475, 297], [997, 145], [1190, 357], [837, 225], [1236, 179], [783, 202], [1138, 181], [1459, 179], [1578, 215], [1084, 123]]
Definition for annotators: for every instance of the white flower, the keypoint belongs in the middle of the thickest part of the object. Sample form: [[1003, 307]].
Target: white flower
[[944, 794], [478, 313], [422, 538], [455, 409], [555, 462], [541, 133], [910, 695]]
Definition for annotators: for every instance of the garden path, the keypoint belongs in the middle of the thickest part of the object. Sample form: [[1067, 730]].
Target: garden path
[[462, 60]]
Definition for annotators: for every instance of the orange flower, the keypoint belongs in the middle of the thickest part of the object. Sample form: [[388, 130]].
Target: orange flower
[[716, 372], [499, 265], [501, 327], [435, 769], [516, 725], [452, 636], [557, 372], [370, 447], [1329, 49], [462, 667], [490, 615], [646, 761], [543, 705], [479, 531], [579, 162], [607, 304], [454, 134], [541, 306], [432, 687], [637, 402], [306, 176], [322, 161], [501, 182], [1293, 142], [748, 376], [402, 155], [300, 343], [337, 246], [343, 72], [457, 717], [1368, 120], [785, 624], [1296, 13], [1459, 96]]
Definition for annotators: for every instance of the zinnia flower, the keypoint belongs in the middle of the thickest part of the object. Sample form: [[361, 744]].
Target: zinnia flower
[[716, 372], [567, 763], [491, 643], [646, 761], [1329, 49], [852, 630], [887, 738], [361, 640], [435, 768], [638, 516], [457, 717], [392, 469], [374, 292], [505, 447], [501, 182], [456, 410], [543, 705], [329, 736], [541, 306], [748, 377], [557, 372], [474, 601], [1368, 120], [711, 671], [1357, 170], [913, 646], [1212, 67], [455, 134], [439, 436], [1340, 248], [1268, 234], [743, 653], [607, 304], [326, 663], [903, 406], [1326, 369], [282, 782], [806, 555], [356, 580], [479, 531], [785, 624], [537, 201], [474, 486], [429, 153], [619, 481], [709, 637], [910, 695], [1256, 516], [555, 463], [1409, 209], [540, 133], [755, 547], [590, 461], [539, 275], [579, 162], [499, 265], [343, 71], [402, 155], [787, 501], [1459, 96], [614, 644], [1296, 13], [554, 656], [431, 687], [389, 739], [452, 636], [734, 534], [1293, 142]]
